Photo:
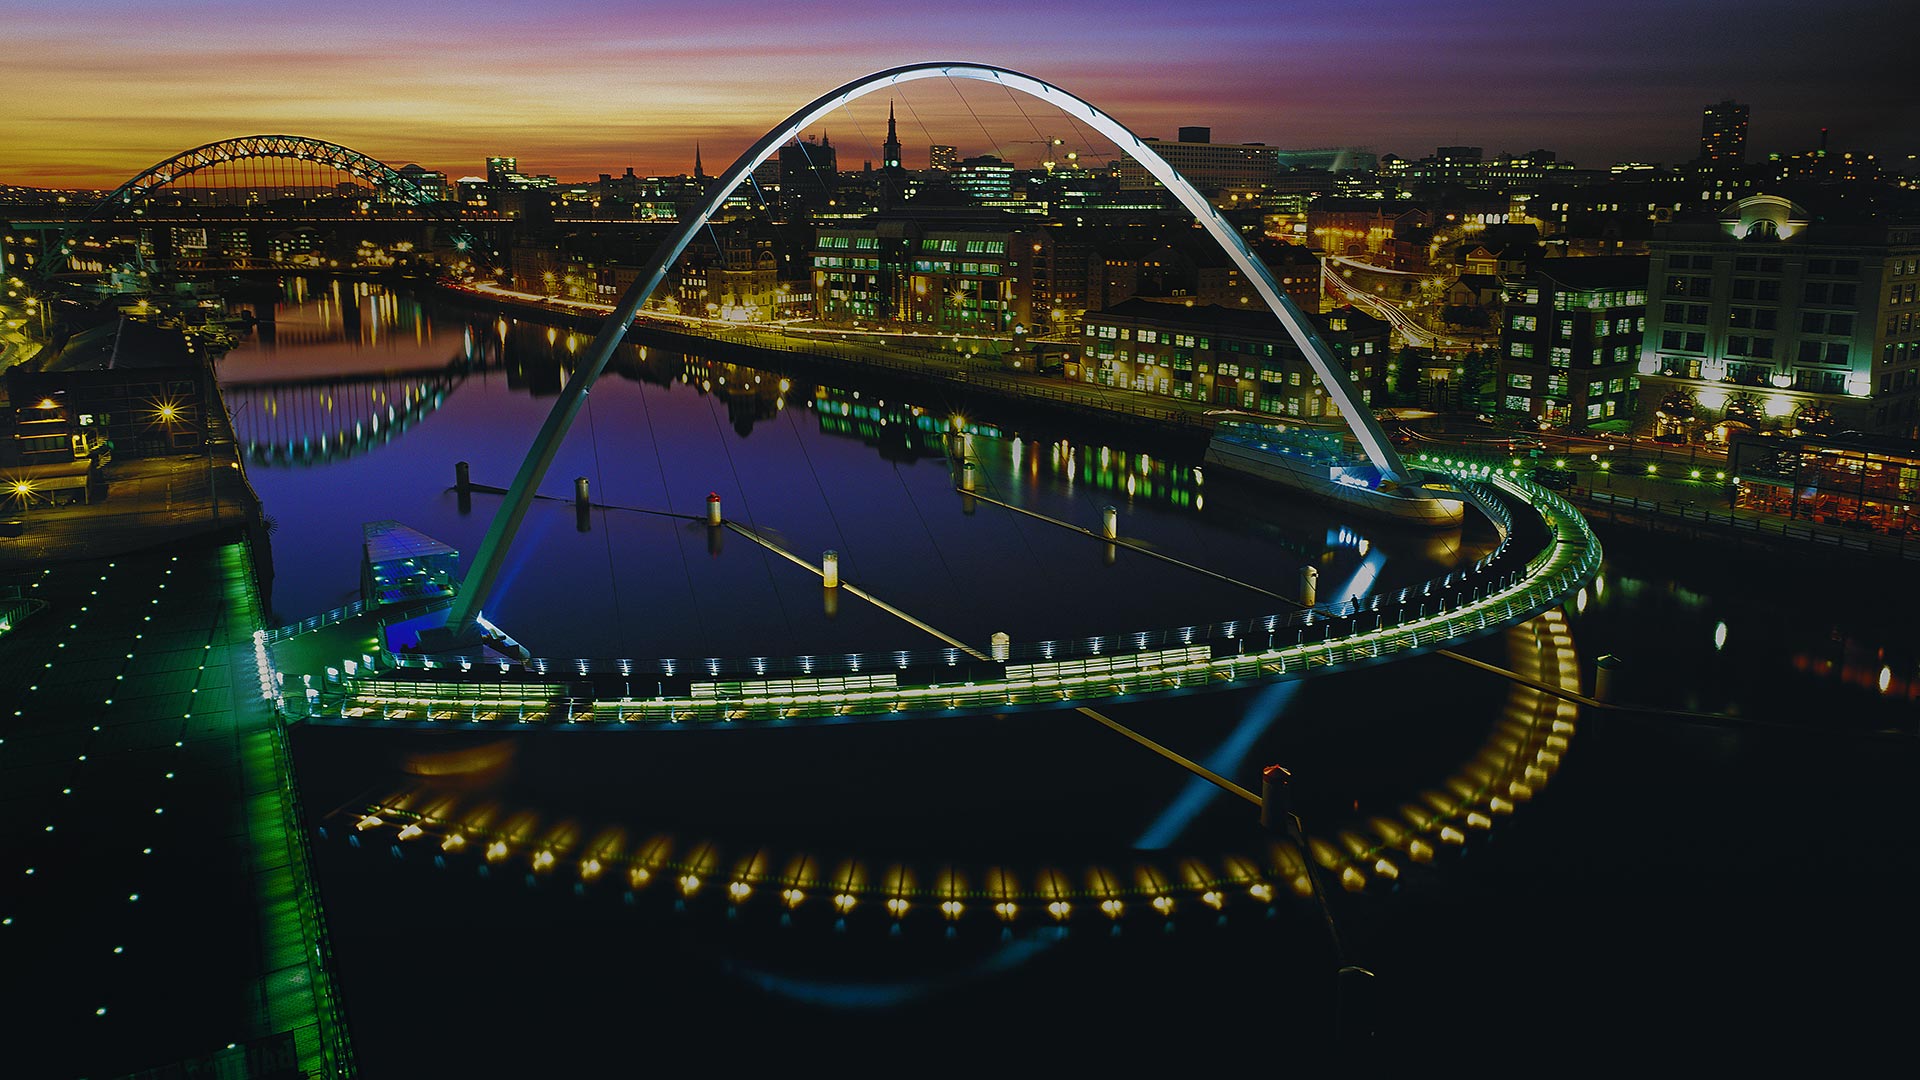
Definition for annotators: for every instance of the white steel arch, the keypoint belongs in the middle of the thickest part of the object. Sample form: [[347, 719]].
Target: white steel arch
[[484, 573]]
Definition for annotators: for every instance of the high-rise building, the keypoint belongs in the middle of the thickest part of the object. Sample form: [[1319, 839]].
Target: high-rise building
[[1765, 317], [941, 157], [1723, 135], [501, 170], [809, 175]]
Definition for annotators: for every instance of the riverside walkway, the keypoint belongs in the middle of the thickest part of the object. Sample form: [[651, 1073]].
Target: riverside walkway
[[157, 911]]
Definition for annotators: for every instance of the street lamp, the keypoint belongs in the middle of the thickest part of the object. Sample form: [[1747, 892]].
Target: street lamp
[[22, 489]]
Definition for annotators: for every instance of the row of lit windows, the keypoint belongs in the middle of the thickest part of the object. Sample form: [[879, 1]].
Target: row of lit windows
[[1561, 356], [1557, 384], [931, 266], [1598, 301], [1596, 410]]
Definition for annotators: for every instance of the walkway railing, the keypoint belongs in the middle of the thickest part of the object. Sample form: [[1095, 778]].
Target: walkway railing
[[1467, 603], [1446, 591], [314, 622], [1758, 524]]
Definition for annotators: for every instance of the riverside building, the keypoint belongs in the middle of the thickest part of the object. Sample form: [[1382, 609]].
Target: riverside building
[[1766, 317]]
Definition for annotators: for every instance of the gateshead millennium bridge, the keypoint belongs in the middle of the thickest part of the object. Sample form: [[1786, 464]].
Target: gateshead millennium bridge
[[457, 677]]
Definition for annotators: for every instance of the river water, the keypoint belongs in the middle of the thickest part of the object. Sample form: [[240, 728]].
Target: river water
[[870, 471]]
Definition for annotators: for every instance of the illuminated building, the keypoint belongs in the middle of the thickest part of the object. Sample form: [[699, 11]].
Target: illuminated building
[[1868, 482], [985, 178], [138, 391], [1723, 135], [432, 184], [947, 269], [1245, 359], [1208, 165], [1177, 269], [940, 157], [1765, 317], [1570, 340]]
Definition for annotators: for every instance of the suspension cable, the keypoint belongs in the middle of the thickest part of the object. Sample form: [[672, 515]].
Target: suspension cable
[[1005, 509], [952, 581], [606, 527], [846, 550], [727, 446], [991, 145], [908, 102], [679, 541]]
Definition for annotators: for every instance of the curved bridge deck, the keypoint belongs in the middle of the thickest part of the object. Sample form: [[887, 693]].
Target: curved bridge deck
[[1467, 606]]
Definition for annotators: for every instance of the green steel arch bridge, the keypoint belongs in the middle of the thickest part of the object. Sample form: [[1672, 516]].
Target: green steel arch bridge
[[249, 181]]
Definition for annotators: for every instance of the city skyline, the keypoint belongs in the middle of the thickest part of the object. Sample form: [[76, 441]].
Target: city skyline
[[594, 87]]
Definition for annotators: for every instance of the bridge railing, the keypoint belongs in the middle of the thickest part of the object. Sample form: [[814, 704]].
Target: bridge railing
[[314, 622], [1572, 557], [1260, 631], [1755, 523], [1569, 559]]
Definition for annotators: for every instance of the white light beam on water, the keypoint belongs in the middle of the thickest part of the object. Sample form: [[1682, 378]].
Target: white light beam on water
[[1267, 706]]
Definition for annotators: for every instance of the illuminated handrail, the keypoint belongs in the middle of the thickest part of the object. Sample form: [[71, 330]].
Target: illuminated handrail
[[1267, 628], [1571, 557], [315, 622]]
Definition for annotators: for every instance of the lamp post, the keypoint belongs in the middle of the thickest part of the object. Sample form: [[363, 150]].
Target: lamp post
[[23, 490]]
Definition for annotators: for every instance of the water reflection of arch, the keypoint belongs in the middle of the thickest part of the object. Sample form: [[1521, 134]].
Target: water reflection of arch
[[311, 421]]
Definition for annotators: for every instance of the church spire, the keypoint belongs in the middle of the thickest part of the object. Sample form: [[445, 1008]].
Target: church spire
[[890, 150], [699, 173]]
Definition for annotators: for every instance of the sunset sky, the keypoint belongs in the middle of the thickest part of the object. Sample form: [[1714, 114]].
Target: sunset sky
[[98, 90]]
